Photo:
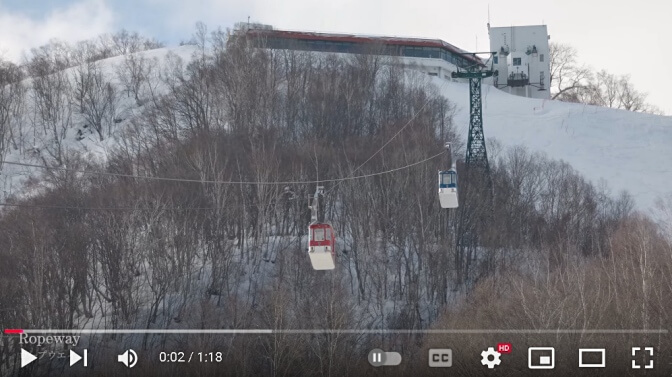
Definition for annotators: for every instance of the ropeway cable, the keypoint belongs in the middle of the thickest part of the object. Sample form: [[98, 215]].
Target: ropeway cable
[[221, 182]]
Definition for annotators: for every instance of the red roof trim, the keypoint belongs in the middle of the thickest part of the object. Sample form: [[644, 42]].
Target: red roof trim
[[362, 39], [320, 226]]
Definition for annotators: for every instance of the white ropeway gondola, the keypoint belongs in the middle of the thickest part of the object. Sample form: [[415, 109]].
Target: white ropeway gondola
[[448, 188], [448, 183]]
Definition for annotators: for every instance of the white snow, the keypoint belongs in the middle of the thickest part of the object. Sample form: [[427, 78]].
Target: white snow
[[630, 151]]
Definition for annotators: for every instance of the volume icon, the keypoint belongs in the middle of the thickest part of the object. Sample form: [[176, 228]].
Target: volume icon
[[128, 358]]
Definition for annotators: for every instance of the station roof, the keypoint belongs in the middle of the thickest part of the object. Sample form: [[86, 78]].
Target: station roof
[[362, 39]]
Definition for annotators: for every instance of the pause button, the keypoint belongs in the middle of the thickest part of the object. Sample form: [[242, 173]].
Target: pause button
[[378, 357]]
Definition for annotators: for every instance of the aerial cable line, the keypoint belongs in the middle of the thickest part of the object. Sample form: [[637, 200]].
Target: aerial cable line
[[158, 209], [415, 115], [223, 182], [121, 208], [349, 177], [186, 208]]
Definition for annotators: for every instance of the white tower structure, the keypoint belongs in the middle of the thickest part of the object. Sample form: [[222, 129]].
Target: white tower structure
[[522, 60]]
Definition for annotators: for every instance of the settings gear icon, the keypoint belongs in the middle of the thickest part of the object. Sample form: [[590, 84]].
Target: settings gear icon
[[486, 355]]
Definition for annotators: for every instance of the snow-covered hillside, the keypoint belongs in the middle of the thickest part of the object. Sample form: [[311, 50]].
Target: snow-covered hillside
[[35, 141], [630, 151]]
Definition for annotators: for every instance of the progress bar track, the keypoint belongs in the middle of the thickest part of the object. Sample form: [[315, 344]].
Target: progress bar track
[[331, 331]]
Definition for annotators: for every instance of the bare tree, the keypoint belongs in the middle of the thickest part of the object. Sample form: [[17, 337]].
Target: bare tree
[[124, 42], [96, 98], [629, 98], [52, 110], [135, 73], [12, 99], [606, 89], [56, 53], [573, 82], [567, 75]]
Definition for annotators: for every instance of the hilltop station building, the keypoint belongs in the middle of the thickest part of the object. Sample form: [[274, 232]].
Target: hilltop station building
[[521, 53]]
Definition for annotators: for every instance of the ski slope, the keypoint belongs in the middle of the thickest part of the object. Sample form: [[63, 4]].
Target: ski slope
[[629, 151]]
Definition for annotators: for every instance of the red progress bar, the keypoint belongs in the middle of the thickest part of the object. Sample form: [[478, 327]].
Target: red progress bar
[[13, 331]]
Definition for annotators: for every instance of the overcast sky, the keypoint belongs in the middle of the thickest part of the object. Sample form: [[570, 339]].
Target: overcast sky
[[621, 37]]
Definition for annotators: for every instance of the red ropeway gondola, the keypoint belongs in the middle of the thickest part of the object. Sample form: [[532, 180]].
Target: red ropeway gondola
[[322, 246]]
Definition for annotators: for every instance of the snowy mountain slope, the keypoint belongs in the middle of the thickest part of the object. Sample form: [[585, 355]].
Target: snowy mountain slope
[[630, 151], [627, 150], [35, 141]]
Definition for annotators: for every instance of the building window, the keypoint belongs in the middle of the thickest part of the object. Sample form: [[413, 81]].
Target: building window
[[516, 61], [496, 59], [541, 57], [432, 73]]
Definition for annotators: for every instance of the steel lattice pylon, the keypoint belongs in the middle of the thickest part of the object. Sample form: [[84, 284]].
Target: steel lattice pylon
[[473, 213], [477, 156]]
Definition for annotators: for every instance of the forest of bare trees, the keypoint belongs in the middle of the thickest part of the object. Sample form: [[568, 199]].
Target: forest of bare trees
[[553, 250], [572, 81]]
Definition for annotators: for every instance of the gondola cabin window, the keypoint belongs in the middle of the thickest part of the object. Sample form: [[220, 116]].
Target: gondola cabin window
[[448, 179], [318, 234]]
